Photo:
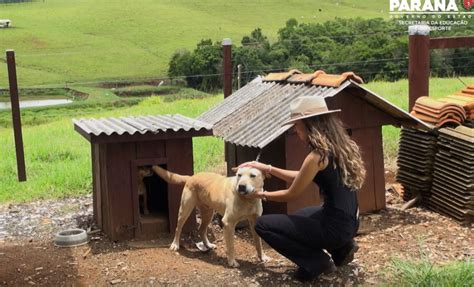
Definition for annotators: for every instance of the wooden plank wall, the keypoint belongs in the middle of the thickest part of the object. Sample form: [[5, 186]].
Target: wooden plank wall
[[372, 194], [296, 152], [180, 160], [119, 190]]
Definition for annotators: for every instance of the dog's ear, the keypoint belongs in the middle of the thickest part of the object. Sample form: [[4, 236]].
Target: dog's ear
[[235, 169]]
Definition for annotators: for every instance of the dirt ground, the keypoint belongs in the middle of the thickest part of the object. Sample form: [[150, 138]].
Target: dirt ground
[[28, 259]]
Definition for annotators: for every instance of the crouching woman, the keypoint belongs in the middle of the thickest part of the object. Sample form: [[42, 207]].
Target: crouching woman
[[336, 166]]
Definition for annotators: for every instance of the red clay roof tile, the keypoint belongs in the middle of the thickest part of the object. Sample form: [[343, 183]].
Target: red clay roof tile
[[438, 117], [436, 112], [301, 78], [459, 100], [438, 122], [438, 105], [468, 91], [335, 80], [280, 77]]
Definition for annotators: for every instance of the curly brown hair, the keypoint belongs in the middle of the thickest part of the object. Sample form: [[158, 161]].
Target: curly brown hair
[[327, 135]]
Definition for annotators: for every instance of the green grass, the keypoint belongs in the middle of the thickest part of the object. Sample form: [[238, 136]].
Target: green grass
[[424, 273], [58, 41]]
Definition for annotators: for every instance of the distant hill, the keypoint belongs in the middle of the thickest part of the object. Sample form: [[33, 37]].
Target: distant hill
[[72, 41]]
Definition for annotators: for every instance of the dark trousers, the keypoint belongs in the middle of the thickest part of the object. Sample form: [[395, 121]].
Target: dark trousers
[[302, 236]]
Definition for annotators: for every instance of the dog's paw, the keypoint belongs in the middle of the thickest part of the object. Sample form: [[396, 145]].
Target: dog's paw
[[211, 246], [265, 258], [202, 247], [174, 246], [233, 263]]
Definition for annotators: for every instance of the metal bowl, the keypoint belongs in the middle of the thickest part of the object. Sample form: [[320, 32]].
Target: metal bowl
[[71, 237]]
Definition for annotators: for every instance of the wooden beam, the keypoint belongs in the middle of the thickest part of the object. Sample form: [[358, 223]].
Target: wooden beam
[[452, 42], [16, 115]]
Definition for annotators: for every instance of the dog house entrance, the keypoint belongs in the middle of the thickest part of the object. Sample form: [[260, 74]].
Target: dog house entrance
[[152, 203]]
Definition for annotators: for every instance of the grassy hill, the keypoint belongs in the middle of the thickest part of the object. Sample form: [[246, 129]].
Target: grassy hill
[[60, 41]]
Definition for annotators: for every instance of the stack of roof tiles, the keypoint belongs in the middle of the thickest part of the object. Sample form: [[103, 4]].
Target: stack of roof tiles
[[438, 113], [415, 162], [453, 179], [453, 109]]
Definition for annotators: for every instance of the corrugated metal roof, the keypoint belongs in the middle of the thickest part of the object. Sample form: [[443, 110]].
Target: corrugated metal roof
[[139, 125], [235, 102], [265, 115], [253, 115]]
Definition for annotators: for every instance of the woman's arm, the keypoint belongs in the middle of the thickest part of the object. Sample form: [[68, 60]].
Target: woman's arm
[[283, 174], [311, 166]]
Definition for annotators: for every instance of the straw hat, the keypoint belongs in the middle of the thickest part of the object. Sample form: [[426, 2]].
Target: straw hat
[[306, 107]]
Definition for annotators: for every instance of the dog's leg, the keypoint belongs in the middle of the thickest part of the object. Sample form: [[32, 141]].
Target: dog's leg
[[188, 202], [229, 230], [257, 240], [206, 218]]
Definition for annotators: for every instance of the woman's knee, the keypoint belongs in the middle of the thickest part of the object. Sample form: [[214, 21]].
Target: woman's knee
[[265, 223], [260, 225]]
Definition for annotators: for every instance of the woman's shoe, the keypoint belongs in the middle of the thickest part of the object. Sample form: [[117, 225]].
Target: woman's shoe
[[304, 276], [345, 254]]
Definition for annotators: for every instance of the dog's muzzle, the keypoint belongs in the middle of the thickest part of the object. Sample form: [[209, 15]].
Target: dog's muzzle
[[243, 189]]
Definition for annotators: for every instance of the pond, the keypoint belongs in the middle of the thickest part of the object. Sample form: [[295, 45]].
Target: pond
[[36, 103], [15, 1]]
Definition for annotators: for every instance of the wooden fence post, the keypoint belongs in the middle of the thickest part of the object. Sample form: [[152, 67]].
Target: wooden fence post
[[227, 47], [229, 149], [418, 63], [16, 116]]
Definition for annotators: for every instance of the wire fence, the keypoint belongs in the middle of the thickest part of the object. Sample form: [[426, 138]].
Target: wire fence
[[249, 72]]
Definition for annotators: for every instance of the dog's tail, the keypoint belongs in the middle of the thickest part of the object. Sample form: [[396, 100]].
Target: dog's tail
[[170, 177]]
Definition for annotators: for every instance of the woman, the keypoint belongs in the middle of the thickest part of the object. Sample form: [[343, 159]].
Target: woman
[[336, 166]]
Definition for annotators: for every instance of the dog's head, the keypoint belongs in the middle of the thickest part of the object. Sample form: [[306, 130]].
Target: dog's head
[[144, 171], [249, 180]]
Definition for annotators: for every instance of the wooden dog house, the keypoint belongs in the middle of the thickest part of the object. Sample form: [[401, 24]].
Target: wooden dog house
[[250, 121], [119, 147]]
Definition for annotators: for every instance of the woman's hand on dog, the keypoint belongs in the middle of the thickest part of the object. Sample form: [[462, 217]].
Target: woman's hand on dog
[[255, 195], [258, 165]]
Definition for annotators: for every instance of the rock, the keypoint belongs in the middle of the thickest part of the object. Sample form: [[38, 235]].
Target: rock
[[115, 281]]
